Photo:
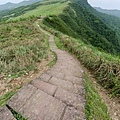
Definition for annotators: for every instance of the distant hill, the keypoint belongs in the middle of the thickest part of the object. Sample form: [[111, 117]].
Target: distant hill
[[110, 12], [10, 5]]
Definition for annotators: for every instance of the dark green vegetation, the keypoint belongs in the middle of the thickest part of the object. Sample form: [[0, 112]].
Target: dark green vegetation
[[81, 23], [22, 46], [95, 106], [111, 21], [109, 12]]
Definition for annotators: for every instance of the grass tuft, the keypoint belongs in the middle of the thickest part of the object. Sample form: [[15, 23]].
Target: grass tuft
[[6, 97], [95, 106]]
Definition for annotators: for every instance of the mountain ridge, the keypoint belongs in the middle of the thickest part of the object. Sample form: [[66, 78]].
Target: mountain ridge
[[10, 5], [114, 12]]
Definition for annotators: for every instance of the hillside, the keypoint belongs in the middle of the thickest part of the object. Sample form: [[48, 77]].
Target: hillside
[[109, 12], [46, 7], [82, 23], [111, 21], [10, 5], [93, 38]]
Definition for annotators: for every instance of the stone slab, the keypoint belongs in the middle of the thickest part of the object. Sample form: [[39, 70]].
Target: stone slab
[[5, 114], [45, 77], [56, 68], [75, 72], [75, 80], [21, 97], [73, 114], [79, 89], [42, 106], [54, 73], [46, 87], [67, 97], [61, 83]]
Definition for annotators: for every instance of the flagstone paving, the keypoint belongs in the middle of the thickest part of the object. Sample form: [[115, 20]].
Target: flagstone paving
[[58, 94]]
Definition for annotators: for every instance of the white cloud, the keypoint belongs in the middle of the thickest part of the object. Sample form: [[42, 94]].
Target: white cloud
[[108, 4], [13, 1]]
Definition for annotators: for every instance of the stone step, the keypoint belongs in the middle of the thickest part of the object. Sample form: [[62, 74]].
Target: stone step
[[5, 114], [46, 87], [42, 106], [70, 99], [21, 97], [61, 83], [73, 114]]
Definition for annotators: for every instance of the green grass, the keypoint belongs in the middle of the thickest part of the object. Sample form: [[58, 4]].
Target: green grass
[[44, 10], [6, 97], [95, 106], [58, 43], [51, 63], [47, 9]]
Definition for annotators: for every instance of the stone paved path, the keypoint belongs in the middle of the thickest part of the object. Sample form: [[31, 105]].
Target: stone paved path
[[58, 94]]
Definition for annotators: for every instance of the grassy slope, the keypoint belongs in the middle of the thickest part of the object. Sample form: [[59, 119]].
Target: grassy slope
[[45, 9], [22, 46], [95, 106]]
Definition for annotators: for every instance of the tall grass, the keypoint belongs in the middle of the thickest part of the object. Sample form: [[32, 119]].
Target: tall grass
[[22, 46], [95, 106]]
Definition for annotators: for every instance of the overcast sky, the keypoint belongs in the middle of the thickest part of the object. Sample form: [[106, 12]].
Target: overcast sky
[[108, 4], [13, 1]]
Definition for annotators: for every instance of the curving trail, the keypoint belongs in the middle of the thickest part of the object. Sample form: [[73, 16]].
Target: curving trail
[[58, 94]]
